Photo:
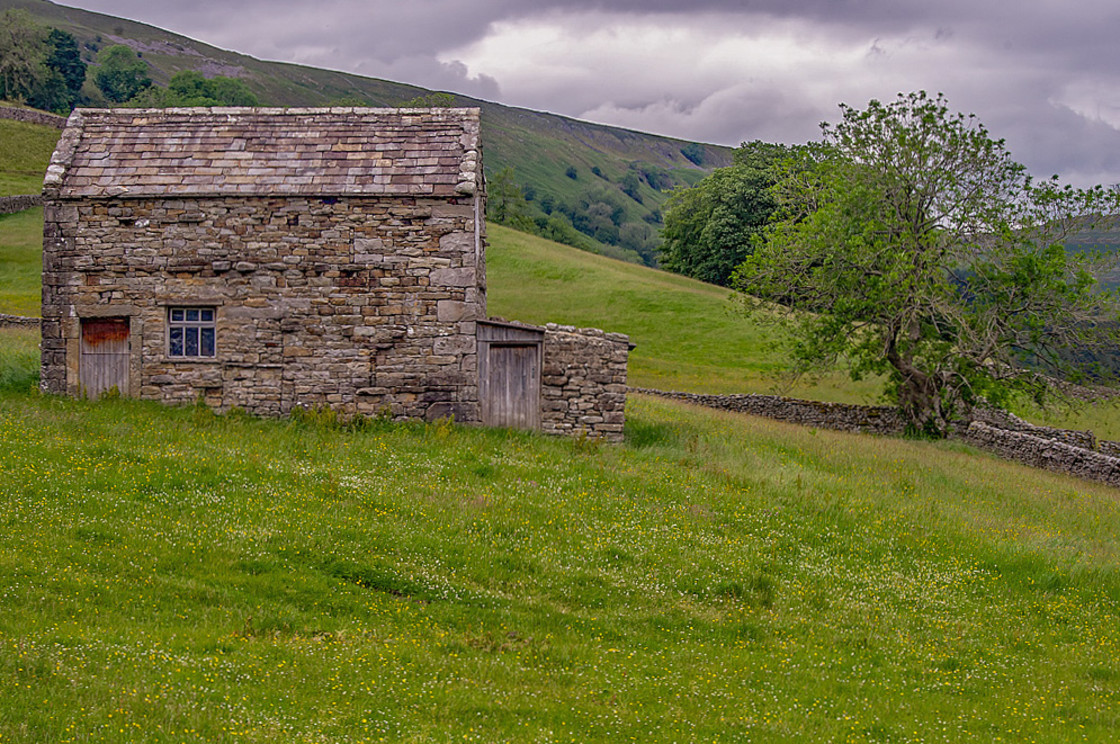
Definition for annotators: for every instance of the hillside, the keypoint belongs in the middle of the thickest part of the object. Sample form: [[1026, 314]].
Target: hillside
[[541, 149], [687, 334], [25, 151]]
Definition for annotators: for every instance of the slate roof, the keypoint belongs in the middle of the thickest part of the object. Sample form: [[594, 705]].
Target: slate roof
[[106, 153]]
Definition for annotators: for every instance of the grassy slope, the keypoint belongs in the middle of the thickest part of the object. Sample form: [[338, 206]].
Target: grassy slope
[[169, 575], [21, 262], [687, 335], [25, 152]]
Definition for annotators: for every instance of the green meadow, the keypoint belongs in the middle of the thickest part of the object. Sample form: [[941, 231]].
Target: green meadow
[[25, 150], [21, 262], [172, 575]]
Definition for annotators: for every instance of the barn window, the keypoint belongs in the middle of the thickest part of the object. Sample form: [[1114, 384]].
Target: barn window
[[191, 333]]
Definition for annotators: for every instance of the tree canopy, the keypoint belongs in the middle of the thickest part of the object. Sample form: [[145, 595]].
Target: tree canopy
[[38, 66], [120, 74], [191, 88], [710, 228], [910, 244]]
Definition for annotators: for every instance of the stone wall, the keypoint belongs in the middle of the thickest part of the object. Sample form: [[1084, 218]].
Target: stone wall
[[18, 321], [1105, 447], [1040, 452], [32, 116], [838, 416], [363, 304], [1010, 422], [13, 204], [583, 382], [1003, 434]]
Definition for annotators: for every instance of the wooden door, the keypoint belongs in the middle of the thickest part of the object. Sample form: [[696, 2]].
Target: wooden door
[[512, 388], [105, 352]]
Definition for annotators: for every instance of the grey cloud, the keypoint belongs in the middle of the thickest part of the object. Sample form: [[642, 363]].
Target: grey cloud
[[354, 29], [1011, 62], [392, 40]]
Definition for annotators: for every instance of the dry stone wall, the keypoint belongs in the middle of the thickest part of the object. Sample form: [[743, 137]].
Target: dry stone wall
[[364, 304], [838, 416], [1010, 422], [32, 116], [1105, 447], [1040, 452], [583, 382], [18, 321], [13, 204], [1003, 434]]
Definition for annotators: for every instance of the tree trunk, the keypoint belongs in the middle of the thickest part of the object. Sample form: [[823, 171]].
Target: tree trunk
[[919, 396]]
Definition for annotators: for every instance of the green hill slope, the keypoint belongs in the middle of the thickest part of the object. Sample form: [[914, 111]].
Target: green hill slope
[[169, 575], [687, 334], [21, 262], [540, 148], [25, 152]]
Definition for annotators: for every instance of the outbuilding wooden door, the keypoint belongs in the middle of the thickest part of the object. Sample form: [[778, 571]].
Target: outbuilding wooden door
[[511, 391], [105, 352]]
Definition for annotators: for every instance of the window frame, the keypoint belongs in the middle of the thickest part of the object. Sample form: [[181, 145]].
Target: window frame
[[197, 329]]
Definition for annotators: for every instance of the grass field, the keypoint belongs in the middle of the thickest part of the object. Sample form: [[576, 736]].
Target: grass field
[[21, 262], [25, 152], [171, 575]]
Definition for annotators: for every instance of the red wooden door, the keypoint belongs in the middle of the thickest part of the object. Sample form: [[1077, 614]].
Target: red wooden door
[[104, 361]]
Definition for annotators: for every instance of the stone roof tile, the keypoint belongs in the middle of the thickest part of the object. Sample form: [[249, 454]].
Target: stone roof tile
[[273, 152]]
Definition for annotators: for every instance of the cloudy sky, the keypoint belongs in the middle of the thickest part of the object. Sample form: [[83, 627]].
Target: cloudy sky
[[1043, 74]]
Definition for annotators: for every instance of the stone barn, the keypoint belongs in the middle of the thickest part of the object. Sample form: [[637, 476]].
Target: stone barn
[[272, 258]]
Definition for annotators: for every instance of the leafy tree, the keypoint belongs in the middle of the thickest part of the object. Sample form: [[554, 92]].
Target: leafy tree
[[505, 202], [913, 246], [694, 152], [430, 100], [191, 88], [229, 91], [557, 227], [640, 238], [23, 69], [599, 222], [65, 58], [120, 75], [709, 228], [630, 184], [657, 178], [38, 66]]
